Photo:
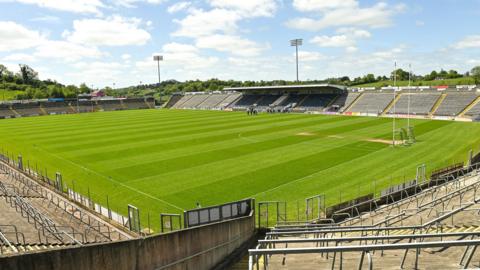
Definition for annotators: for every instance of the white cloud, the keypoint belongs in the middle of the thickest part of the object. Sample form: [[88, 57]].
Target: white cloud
[[472, 41], [97, 72], [378, 15], [131, 3], [348, 38], [230, 43], [19, 58], [126, 56], [178, 7], [76, 6], [180, 56], [333, 41], [202, 23], [112, 31], [46, 18], [14, 36], [320, 5], [65, 51], [248, 8], [307, 56]]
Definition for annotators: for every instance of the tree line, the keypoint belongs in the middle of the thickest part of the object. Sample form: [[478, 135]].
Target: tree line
[[27, 85]]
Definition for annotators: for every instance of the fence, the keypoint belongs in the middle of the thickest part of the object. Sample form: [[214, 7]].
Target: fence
[[202, 216], [59, 185], [104, 211]]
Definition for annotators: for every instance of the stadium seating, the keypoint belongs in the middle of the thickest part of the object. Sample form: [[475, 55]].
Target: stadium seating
[[173, 100], [454, 103], [316, 102], [372, 103], [474, 111], [35, 218], [5, 111], [136, 103], [229, 100], [56, 107], [292, 99], [343, 101], [110, 105], [27, 109], [194, 101], [416, 104], [426, 227], [212, 101], [247, 100]]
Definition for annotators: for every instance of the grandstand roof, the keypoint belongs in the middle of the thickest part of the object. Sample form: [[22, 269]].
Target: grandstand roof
[[306, 87]]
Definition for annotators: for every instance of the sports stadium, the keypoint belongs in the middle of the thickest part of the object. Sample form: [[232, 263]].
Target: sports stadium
[[315, 169], [246, 172]]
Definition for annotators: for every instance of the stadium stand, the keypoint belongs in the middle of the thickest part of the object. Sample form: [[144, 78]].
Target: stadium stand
[[474, 111], [180, 102], [27, 109], [316, 102], [292, 99], [44, 227], [246, 100], [36, 218], [232, 98], [266, 101], [455, 102], [212, 101], [173, 100], [426, 225], [344, 101], [34, 108], [194, 101], [5, 111], [56, 107], [416, 104], [136, 103], [372, 103], [110, 105]]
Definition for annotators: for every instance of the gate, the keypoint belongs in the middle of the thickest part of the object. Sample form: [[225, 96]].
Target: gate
[[314, 207], [170, 222], [133, 219], [271, 212]]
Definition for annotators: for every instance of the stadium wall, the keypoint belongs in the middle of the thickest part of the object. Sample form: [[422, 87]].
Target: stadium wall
[[203, 247]]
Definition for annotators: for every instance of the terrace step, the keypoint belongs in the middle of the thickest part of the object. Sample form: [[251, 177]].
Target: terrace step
[[469, 107], [437, 104], [391, 104], [353, 102]]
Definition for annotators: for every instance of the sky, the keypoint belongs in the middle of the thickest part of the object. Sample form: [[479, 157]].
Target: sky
[[112, 43]]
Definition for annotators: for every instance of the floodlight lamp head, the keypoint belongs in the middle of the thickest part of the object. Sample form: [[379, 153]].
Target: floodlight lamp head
[[296, 42], [158, 57]]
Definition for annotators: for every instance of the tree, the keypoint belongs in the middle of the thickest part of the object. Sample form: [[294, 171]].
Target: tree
[[84, 88], [4, 72], [401, 75], [27, 74], [476, 74]]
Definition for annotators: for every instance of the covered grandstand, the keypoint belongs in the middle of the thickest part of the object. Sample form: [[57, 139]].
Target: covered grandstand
[[453, 103]]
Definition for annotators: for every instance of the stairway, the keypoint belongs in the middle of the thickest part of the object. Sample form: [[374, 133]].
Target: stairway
[[470, 106], [301, 101], [353, 102], [280, 100], [331, 102], [390, 105], [43, 110], [437, 104]]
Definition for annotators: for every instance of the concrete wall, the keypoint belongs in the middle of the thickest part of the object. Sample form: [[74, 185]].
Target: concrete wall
[[197, 248]]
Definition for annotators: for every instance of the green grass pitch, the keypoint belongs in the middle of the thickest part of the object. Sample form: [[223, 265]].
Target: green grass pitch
[[167, 160]]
